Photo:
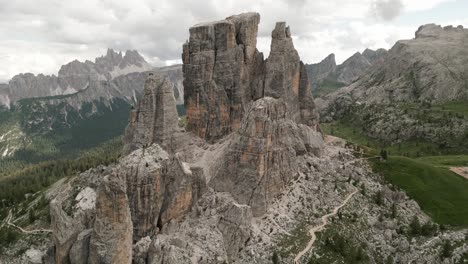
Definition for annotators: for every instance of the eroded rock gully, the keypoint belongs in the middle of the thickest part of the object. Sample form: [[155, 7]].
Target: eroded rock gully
[[248, 121]]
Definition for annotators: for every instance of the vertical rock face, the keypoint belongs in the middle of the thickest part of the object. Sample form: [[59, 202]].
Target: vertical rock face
[[224, 72], [286, 77], [261, 159], [160, 188], [66, 231], [145, 188], [155, 119], [183, 188], [235, 226], [230, 88], [79, 252], [111, 241], [221, 69]]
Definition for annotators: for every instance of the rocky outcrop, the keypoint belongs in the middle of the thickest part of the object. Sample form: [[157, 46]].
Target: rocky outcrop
[[430, 67], [65, 232], [221, 69], [234, 224], [224, 72], [160, 188], [111, 240], [261, 158], [175, 75], [326, 76], [79, 252], [155, 119], [260, 114], [318, 72], [286, 78], [264, 108], [352, 68], [375, 57], [140, 250]]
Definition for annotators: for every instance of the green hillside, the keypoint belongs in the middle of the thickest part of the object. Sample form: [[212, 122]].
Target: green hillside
[[41, 132]]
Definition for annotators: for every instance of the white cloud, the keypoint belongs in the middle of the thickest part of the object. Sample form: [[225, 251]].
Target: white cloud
[[40, 36], [421, 5]]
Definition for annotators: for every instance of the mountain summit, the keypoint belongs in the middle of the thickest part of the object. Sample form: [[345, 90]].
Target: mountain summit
[[73, 76]]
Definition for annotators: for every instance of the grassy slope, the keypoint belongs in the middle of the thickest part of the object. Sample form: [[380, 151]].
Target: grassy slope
[[327, 86], [356, 136], [441, 193]]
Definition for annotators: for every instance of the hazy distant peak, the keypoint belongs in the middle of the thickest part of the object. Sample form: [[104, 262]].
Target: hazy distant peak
[[437, 31]]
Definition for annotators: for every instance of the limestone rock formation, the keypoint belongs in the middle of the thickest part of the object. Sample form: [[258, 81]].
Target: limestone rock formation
[[375, 57], [175, 75], [261, 158], [155, 119], [326, 76], [145, 188], [352, 68], [221, 69], [111, 240], [224, 72], [160, 188], [248, 122], [234, 224], [66, 231], [318, 72], [286, 78], [75, 76], [79, 252], [430, 67]]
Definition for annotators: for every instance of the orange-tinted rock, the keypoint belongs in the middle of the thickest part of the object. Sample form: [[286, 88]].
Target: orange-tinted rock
[[111, 240], [221, 74], [160, 188], [261, 158], [224, 73]]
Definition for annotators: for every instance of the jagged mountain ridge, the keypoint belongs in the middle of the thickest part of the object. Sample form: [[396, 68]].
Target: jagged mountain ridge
[[409, 97], [430, 67], [106, 95], [326, 76], [75, 76]]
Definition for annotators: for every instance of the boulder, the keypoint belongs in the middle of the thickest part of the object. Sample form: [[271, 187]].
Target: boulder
[[140, 250]]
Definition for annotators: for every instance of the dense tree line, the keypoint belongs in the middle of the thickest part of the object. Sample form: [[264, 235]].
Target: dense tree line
[[14, 186]]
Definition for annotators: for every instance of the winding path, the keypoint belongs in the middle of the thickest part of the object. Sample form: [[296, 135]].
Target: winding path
[[320, 227], [35, 231]]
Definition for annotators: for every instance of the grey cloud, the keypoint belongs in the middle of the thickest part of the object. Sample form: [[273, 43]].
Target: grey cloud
[[158, 29], [386, 9]]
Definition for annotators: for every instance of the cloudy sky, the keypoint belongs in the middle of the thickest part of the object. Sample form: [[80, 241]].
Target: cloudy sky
[[40, 35]]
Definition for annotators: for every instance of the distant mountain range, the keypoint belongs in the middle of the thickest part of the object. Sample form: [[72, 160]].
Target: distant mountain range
[[419, 93], [326, 76], [85, 105]]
